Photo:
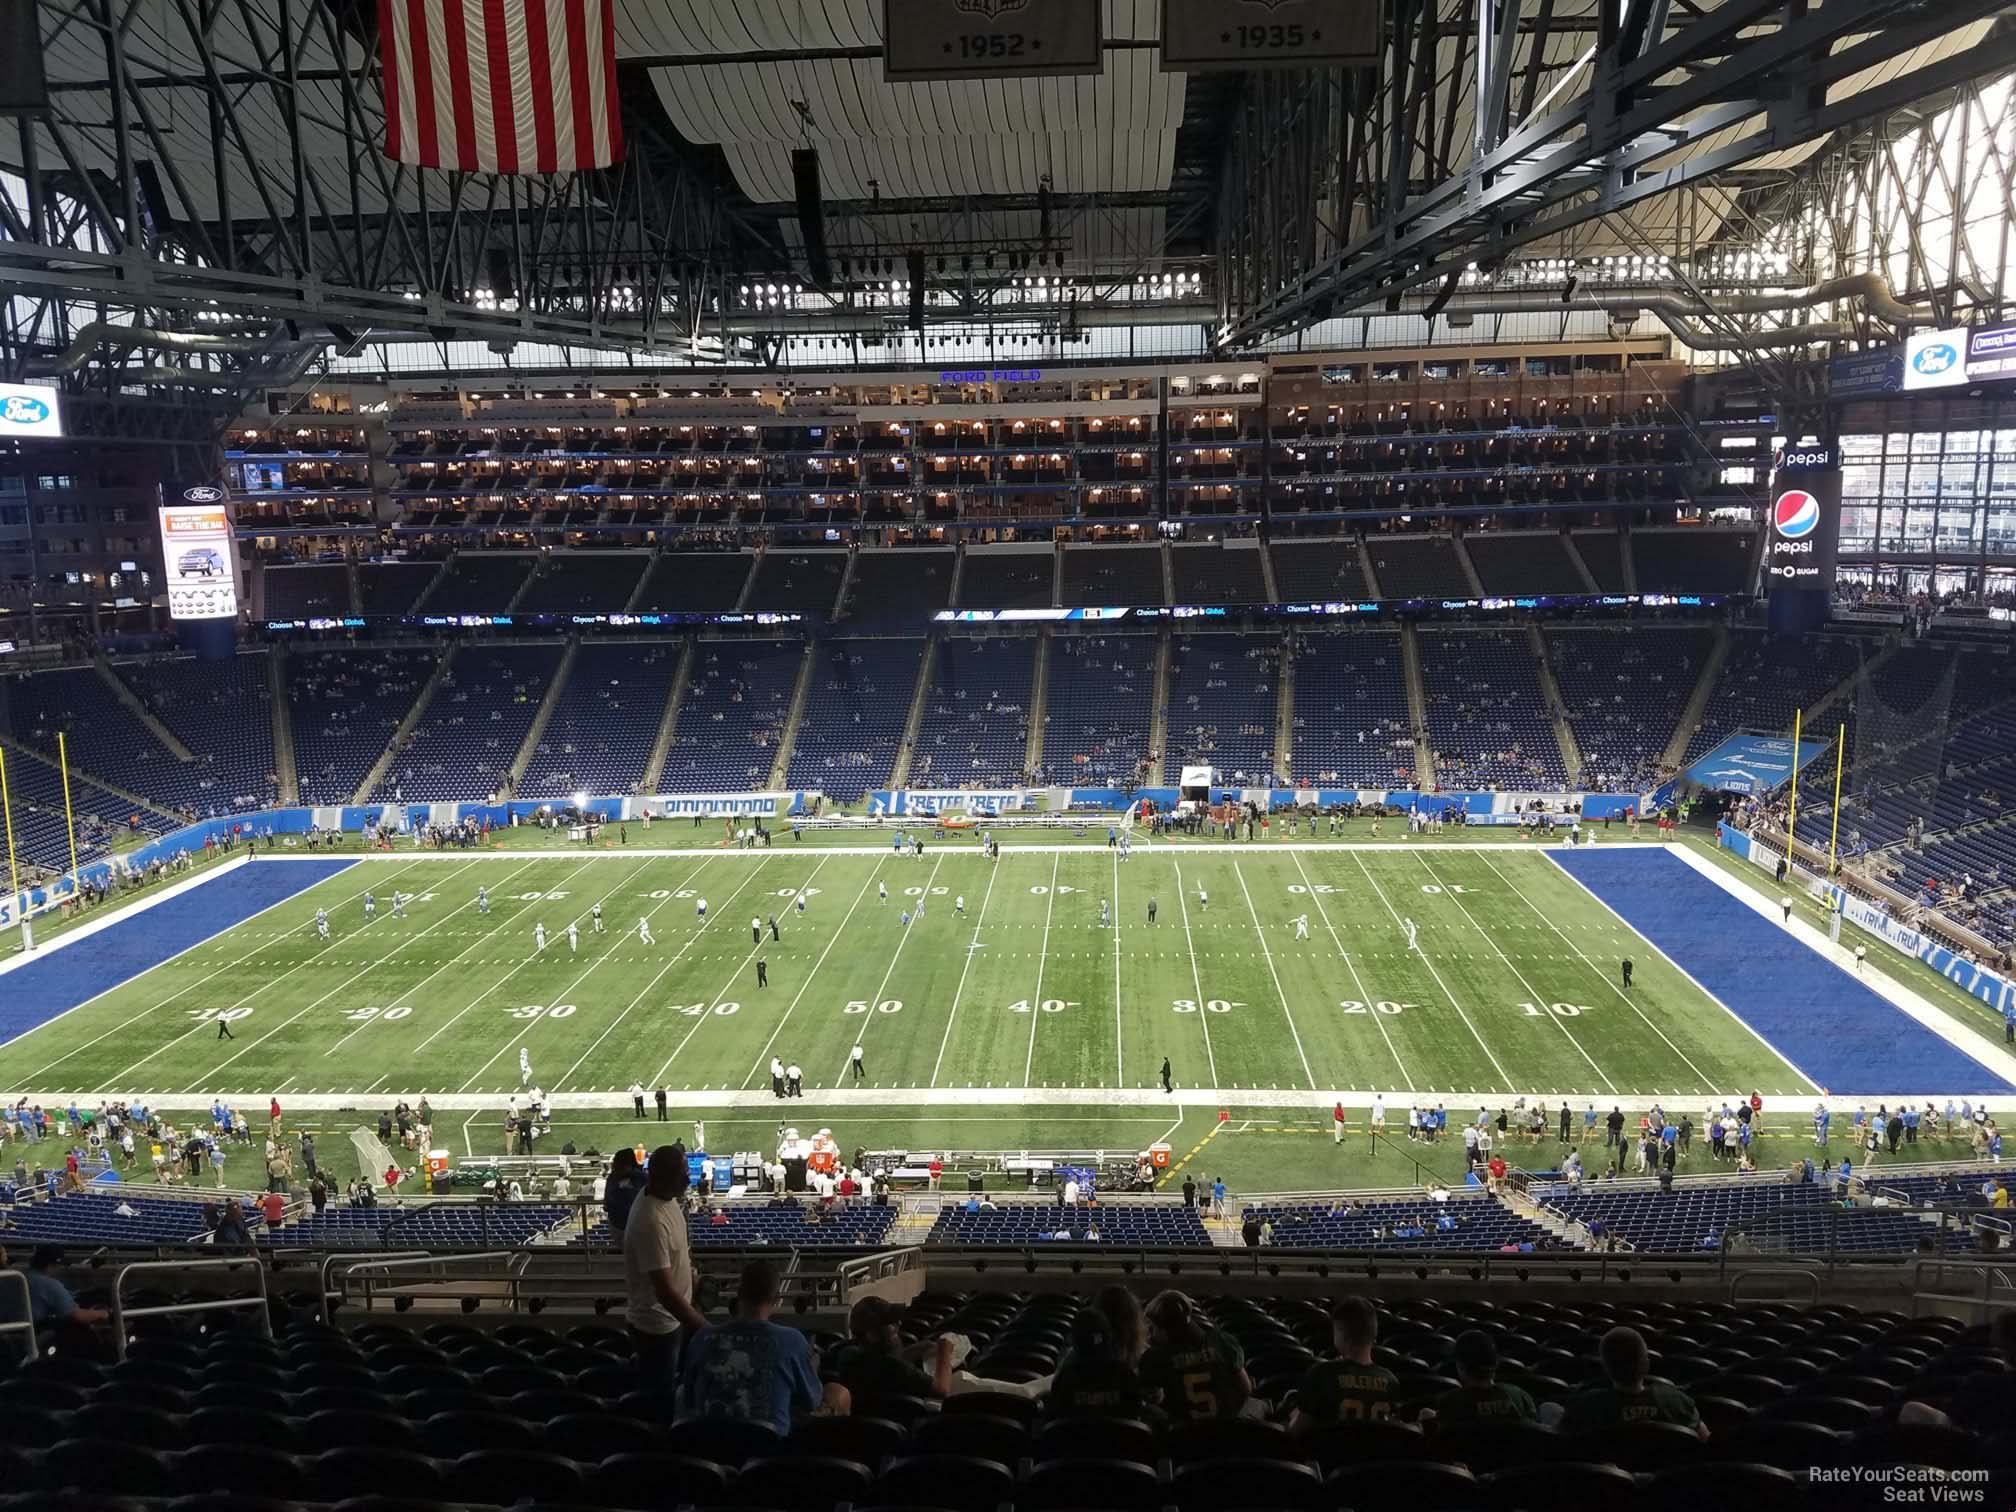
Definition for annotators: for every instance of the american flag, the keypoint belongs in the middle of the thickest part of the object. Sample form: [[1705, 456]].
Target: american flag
[[501, 86]]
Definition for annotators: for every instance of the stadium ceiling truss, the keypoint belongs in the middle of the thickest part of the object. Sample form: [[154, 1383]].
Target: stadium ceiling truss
[[1673, 129], [204, 209]]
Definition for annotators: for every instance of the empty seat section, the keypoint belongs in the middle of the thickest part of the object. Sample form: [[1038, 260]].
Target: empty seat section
[[1518, 561], [798, 582], [1352, 725], [1487, 718], [605, 720], [1417, 567], [221, 708], [1026, 1222], [480, 582], [1310, 571], [976, 714], [104, 735], [1602, 552], [855, 710], [470, 733], [1099, 708], [584, 582], [695, 582], [1224, 704], [1125, 576], [1767, 678], [346, 706], [1230, 573], [393, 587], [732, 716], [104, 819], [1624, 690], [321, 591], [897, 590], [1008, 577]]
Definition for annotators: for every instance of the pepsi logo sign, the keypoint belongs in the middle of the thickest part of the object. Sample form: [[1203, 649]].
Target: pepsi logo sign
[[203, 493], [1796, 515], [1937, 358], [20, 409]]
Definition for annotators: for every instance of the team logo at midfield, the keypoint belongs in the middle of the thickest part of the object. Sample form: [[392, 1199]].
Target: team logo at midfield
[[992, 10], [1796, 514]]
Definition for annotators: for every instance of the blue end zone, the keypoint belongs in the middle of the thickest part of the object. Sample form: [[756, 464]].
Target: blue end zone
[[1829, 1025], [59, 981]]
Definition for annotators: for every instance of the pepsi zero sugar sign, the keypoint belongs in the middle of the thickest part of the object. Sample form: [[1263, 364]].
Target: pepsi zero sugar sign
[[1805, 520]]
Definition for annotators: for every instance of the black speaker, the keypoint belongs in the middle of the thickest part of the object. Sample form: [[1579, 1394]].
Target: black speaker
[[916, 291], [24, 88], [502, 281], [811, 213]]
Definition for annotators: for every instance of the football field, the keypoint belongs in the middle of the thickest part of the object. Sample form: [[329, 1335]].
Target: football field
[[1476, 973]]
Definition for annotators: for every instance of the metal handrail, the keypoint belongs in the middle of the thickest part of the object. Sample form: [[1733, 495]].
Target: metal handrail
[[382, 1265], [335, 1258], [27, 1323], [121, 1312], [1751, 1273]]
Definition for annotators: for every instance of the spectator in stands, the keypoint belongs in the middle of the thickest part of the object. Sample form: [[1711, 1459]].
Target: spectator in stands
[[232, 1232], [1192, 1367], [874, 1363], [1351, 1388], [1100, 1375], [658, 1271], [1479, 1397], [621, 1191], [1981, 1400], [1629, 1397], [50, 1302], [753, 1369]]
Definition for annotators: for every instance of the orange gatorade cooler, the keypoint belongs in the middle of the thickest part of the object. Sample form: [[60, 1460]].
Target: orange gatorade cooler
[[1158, 1156]]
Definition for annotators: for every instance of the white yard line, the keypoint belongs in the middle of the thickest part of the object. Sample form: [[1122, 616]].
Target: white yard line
[[1042, 960], [894, 955], [1707, 1081], [958, 992], [1539, 1001], [763, 1055], [1169, 849], [726, 987], [1279, 991], [1380, 893], [491, 987], [209, 1079], [367, 1023], [518, 1037], [678, 956], [1119, 1025], [1364, 994], [1196, 979]]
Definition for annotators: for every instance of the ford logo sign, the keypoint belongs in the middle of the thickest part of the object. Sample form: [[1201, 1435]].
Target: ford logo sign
[[203, 493], [21, 410], [1934, 359]]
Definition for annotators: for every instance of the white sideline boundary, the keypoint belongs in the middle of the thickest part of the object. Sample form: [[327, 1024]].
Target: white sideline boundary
[[948, 848]]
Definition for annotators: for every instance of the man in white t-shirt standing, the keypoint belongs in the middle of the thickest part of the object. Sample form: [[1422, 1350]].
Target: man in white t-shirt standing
[[658, 1272]]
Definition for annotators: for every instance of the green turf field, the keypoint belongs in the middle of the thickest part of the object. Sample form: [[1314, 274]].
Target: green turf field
[[1020, 998]]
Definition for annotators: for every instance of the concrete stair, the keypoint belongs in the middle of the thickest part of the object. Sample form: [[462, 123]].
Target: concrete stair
[[406, 728]]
